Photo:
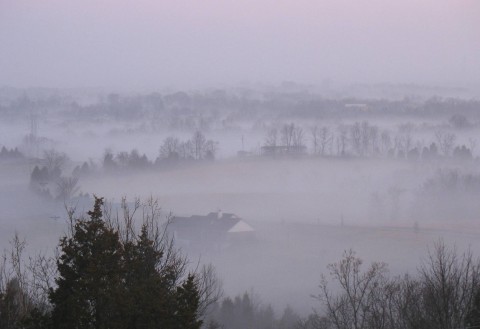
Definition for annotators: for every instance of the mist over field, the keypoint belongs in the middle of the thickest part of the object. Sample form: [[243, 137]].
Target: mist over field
[[386, 178], [282, 141]]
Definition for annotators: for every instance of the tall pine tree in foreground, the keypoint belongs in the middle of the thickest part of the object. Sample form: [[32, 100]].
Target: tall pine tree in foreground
[[105, 282]]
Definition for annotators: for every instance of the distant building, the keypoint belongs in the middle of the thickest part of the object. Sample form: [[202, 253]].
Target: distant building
[[216, 230]]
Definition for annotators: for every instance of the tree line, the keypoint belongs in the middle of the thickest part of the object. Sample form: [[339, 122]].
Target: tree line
[[225, 108], [365, 140]]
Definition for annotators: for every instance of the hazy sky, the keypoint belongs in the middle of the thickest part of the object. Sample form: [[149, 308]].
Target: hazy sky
[[148, 44]]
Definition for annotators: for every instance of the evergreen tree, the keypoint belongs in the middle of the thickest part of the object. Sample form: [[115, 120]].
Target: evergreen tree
[[108, 282], [90, 274], [188, 301], [147, 293]]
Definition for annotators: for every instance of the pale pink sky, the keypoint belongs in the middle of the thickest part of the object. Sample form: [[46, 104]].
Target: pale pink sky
[[148, 44]]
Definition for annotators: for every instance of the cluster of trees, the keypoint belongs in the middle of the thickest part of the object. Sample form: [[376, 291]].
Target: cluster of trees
[[84, 169], [452, 180], [363, 139], [196, 148], [124, 160], [172, 152], [289, 140], [107, 274], [48, 181], [10, 154], [445, 294], [448, 194], [246, 311]]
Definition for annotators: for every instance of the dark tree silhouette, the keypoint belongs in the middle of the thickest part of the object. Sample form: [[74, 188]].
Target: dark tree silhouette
[[107, 282]]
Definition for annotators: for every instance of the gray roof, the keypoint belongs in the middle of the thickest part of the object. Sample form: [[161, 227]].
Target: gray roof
[[213, 221]]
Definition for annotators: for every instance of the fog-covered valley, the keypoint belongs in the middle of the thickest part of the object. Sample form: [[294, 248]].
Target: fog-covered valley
[[312, 176], [254, 164]]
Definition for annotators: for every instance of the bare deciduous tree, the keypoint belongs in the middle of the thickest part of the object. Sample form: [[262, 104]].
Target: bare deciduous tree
[[385, 142], [342, 140], [286, 135], [364, 138], [472, 143], [55, 160], [210, 287], [199, 141], [22, 284], [67, 187], [272, 137], [325, 140], [450, 283], [211, 148], [170, 148], [315, 138], [360, 304], [298, 137], [403, 143], [187, 150], [369, 138], [445, 141], [149, 214], [356, 138]]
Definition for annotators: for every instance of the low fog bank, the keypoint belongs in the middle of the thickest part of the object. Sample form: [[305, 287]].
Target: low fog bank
[[84, 124], [283, 264], [305, 213], [326, 191], [312, 176]]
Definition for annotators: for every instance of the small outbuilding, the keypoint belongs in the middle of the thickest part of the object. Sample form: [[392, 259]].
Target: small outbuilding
[[215, 230]]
